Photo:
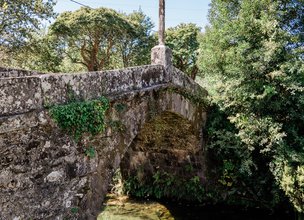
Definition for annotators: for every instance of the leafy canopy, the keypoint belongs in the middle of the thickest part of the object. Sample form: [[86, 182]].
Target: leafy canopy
[[252, 55], [20, 18], [183, 40], [134, 49], [101, 38]]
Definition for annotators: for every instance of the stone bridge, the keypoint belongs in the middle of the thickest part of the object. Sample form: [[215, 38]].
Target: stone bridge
[[45, 173]]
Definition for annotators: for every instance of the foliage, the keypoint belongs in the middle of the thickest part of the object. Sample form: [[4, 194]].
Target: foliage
[[135, 48], [103, 38], [20, 19], [166, 185], [87, 39], [38, 54], [90, 35], [292, 183], [227, 178], [183, 40], [90, 152], [74, 210], [251, 51], [117, 125], [120, 107], [237, 176], [77, 118]]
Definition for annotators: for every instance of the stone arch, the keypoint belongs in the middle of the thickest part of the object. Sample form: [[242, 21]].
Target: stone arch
[[133, 111], [46, 170], [167, 147]]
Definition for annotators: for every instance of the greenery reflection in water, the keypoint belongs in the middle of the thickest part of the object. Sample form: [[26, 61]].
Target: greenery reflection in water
[[123, 208]]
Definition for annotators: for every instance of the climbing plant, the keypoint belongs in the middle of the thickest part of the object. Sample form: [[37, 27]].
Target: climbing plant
[[77, 118]]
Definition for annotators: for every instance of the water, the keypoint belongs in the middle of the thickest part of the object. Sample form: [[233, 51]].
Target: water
[[124, 208]]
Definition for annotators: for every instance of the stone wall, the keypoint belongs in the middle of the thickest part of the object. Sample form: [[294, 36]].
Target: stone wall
[[44, 173], [9, 72], [24, 94]]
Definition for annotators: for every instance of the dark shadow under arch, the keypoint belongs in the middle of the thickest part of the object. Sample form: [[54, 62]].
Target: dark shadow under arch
[[168, 147]]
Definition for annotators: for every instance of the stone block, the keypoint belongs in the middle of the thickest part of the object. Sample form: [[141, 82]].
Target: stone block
[[9, 72], [18, 95], [161, 55]]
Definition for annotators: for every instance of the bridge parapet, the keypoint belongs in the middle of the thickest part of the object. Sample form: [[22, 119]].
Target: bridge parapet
[[9, 72], [28, 93]]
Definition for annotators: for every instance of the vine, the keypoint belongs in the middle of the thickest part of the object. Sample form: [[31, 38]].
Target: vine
[[77, 118]]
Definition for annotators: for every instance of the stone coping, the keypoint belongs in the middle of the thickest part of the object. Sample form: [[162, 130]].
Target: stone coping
[[11, 72], [23, 94], [28, 92]]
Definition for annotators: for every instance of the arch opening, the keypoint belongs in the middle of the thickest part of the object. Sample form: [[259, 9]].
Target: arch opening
[[165, 160]]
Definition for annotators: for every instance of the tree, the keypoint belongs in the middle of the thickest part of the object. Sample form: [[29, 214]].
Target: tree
[[252, 52], [135, 49], [95, 37], [19, 19], [183, 40], [39, 53]]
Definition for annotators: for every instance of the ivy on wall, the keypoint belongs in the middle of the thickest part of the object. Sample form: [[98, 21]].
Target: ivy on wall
[[77, 118], [82, 117]]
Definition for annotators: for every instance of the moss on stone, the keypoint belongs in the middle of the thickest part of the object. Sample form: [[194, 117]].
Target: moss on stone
[[168, 130]]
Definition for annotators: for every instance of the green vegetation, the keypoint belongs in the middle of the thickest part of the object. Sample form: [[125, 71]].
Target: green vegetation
[[166, 185], [252, 54], [74, 210], [90, 35], [20, 19], [102, 38], [90, 152], [120, 107], [80, 117], [117, 125], [86, 39], [183, 40], [20, 25]]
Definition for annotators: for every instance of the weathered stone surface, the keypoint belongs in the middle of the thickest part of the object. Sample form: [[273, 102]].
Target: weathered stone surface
[[18, 95], [60, 88], [44, 173], [161, 24], [162, 55], [169, 143], [21, 121], [179, 79], [8, 72], [24, 94]]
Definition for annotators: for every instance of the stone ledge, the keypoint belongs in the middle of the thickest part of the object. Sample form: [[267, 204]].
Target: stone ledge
[[10, 72], [23, 94], [19, 95]]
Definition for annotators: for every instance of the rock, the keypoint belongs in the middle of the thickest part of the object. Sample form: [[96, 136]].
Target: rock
[[55, 176]]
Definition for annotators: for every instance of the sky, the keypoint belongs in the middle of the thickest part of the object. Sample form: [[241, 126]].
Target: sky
[[177, 11]]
